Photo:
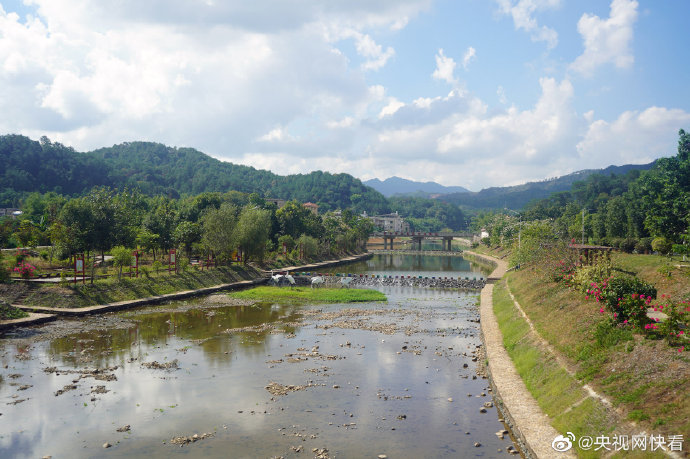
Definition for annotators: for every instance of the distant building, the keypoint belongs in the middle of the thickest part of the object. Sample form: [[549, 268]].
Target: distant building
[[391, 222], [313, 207], [10, 212]]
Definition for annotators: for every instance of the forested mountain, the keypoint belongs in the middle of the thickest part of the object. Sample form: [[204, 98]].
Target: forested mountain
[[399, 186], [29, 166], [516, 197], [155, 169]]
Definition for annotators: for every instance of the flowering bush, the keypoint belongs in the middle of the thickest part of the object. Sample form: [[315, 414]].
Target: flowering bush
[[627, 298], [564, 271], [632, 309], [25, 270], [678, 319]]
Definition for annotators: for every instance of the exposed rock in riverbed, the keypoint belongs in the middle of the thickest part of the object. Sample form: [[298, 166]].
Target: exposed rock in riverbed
[[173, 365], [185, 440]]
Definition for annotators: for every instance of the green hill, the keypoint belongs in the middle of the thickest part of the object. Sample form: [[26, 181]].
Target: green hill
[[154, 169]]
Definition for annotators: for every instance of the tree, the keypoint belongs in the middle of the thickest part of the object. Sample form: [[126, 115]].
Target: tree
[[293, 218], [77, 223], [309, 246], [186, 234], [122, 257], [251, 232], [148, 241], [218, 230]]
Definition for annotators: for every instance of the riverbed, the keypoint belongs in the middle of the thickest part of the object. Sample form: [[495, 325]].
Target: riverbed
[[398, 379]]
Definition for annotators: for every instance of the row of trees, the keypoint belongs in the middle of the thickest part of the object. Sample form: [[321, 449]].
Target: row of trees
[[219, 222]]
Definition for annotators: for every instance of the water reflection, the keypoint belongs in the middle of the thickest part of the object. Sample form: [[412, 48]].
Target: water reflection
[[358, 383]]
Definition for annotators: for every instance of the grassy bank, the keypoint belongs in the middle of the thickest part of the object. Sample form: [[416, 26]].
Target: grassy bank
[[111, 290], [8, 312], [306, 294], [645, 379], [558, 393]]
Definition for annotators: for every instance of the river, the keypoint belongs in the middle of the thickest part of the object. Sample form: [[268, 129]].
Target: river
[[271, 380]]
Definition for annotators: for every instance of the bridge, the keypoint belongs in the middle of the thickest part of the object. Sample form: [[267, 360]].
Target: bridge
[[417, 238]]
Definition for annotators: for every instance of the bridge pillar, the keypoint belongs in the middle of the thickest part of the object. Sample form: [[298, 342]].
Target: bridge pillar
[[385, 242], [447, 242], [417, 242]]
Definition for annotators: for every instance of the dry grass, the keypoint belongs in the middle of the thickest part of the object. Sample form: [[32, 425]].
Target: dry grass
[[645, 379]]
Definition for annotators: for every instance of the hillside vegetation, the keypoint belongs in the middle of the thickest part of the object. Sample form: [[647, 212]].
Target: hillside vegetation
[[156, 169]]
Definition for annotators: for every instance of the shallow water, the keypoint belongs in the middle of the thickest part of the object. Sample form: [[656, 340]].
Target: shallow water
[[380, 378]]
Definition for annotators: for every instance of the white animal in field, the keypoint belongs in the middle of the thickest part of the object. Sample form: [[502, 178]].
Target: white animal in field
[[345, 282], [316, 281], [290, 279], [277, 279]]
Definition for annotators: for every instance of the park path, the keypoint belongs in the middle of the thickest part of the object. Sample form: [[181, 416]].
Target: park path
[[520, 410]]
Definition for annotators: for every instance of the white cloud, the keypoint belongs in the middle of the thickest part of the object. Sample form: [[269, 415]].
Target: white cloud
[[607, 40], [468, 57], [374, 54], [215, 76], [393, 106], [523, 12], [445, 67], [634, 137]]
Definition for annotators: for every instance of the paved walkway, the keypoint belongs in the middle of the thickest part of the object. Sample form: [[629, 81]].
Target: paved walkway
[[33, 319], [520, 410]]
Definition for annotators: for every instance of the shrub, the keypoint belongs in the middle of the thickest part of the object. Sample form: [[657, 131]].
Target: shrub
[[628, 245], [183, 264], [584, 276], [4, 272], [661, 245], [627, 298], [632, 309], [677, 320], [644, 245], [622, 286], [25, 270]]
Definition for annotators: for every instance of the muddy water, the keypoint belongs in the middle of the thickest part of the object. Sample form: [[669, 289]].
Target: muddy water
[[395, 378]]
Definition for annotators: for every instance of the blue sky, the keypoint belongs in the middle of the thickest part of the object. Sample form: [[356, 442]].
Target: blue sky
[[475, 93]]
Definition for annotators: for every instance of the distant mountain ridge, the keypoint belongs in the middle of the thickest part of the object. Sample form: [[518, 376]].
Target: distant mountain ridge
[[399, 186], [516, 197]]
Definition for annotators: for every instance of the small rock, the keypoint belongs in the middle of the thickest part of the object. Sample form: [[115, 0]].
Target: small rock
[[482, 410], [335, 386], [477, 444], [107, 445], [450, 399], [382, 456]]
